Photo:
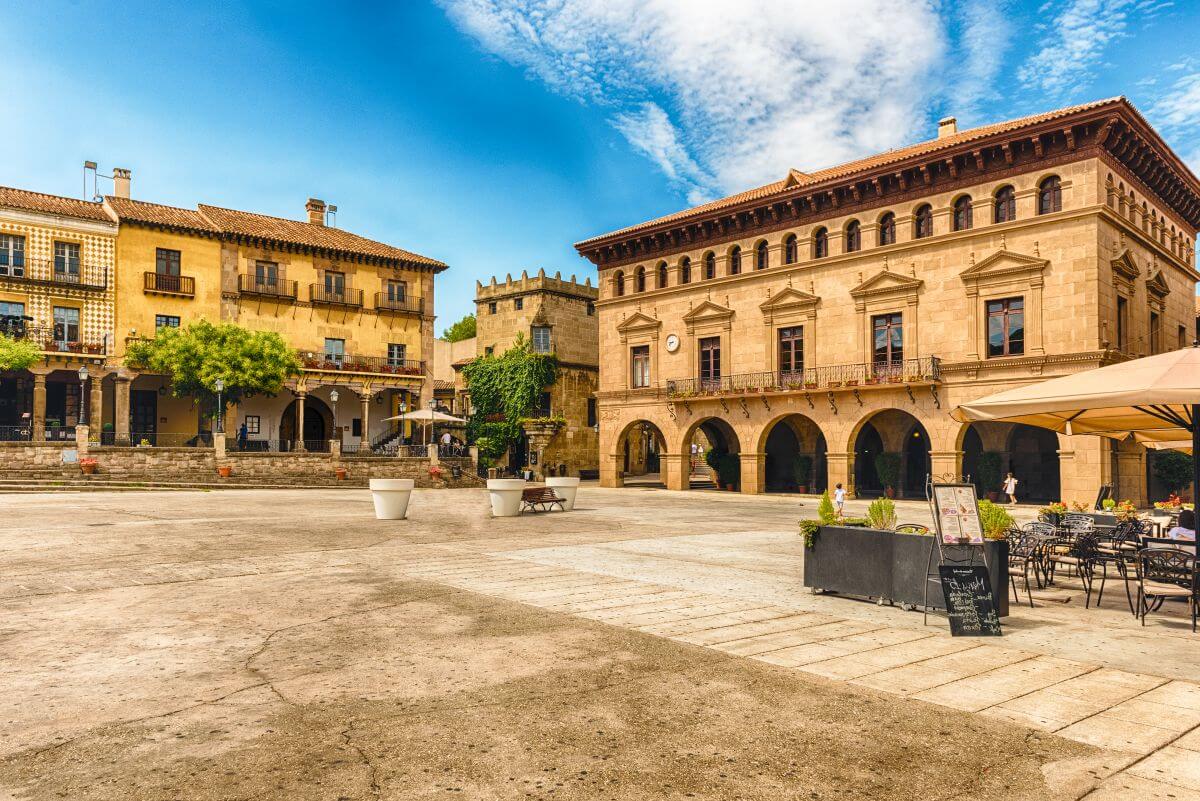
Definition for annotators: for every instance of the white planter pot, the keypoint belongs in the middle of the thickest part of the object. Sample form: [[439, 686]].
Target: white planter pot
[[506, 496], [566, 487], [391, 497]]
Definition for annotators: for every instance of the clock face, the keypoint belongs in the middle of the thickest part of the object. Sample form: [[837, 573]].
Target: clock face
[[672, 343]]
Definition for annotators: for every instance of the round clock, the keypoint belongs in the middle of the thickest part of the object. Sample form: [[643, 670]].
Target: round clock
[[672, 343]]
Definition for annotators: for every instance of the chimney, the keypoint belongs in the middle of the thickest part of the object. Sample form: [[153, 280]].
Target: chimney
[[316, 211], [947, 126], [121, 180]]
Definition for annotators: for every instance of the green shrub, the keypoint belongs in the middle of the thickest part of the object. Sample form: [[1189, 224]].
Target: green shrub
[[712, 458], [887, 467], [809, 530], [825, 509], [802, 469], [882, 514], [989, 471], [994, 519], [1173, 469], [729, 469]]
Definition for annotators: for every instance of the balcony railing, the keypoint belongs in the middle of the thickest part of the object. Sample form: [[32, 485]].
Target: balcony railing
[[332, 296], [46, 339], [380, 365], [833, 377], [49, 272], [170, 284], [267, 287], [405, 304]]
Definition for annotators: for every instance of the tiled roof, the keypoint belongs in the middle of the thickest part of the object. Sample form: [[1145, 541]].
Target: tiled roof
[[796, 178], [51, 204], [307, 234], [440, 383], [139, 211]]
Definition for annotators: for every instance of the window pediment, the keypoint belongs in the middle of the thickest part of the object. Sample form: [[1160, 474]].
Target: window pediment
[[1125, 266], [639, 323], [1003, 266], [789, 300], [708, 314], [1157, 285], [887, 284]]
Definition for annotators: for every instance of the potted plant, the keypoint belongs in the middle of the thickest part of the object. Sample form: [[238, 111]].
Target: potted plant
[[810, 384], [834, 384], [88, 466], [1125, 510], [505, 496], [712, 458], [801, 470], [1109, 504], [887, 467], [994, 519], [729, 470], [390, 496], [340, 473], [566, 487], [224, 471], [1052, 513], [989, 474]]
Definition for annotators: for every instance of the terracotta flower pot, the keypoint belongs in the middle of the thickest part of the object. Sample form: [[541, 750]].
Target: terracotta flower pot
[[890, 492], [87, 468], [340, 473], [224, 472]]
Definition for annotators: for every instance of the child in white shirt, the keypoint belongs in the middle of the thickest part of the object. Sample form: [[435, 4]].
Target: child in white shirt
[[839, 499]]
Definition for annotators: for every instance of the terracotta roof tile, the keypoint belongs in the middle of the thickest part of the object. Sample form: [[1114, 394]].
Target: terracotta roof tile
[[441, 383], [307, 234], [796, 178], [139, 211], [51, 204]]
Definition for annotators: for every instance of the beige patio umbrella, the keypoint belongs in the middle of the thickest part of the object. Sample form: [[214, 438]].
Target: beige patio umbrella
[[427, 417], [1156, 399]]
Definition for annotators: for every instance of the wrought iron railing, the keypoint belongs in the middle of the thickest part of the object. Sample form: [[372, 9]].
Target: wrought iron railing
[[267, 287], [16, 433], [831, 377], [405, 304], [46, 338], [361, 364], [49, 271], [332, 296], [170, 284], [159, 439]]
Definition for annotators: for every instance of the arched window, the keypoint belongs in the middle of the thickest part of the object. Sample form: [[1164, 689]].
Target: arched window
[[710, 266], [853, 236], [639, 280], [735, 260], [619, 283], [923, 222], [790, 250], [887, 229], [760, 256], [1050, 195], [820, 243], [685, 270], [962, 213], [1006, 205], [662, 274]]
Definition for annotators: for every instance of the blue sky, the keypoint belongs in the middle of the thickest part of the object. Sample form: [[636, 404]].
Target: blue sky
[[492, 134]]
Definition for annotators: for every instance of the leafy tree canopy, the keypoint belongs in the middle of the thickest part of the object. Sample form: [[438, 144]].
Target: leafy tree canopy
[[17, 354], [505, 390], [249, 362], [1173, 469], [463, 329]]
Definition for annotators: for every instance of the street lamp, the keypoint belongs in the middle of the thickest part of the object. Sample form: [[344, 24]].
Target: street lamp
[[432, 409], [83, 401], [333, 396], [219, 386]]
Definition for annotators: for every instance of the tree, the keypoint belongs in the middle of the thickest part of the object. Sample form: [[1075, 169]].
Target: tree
[[17, 354], [463, 329], [504, 391], [248, 362], [1173, 469]]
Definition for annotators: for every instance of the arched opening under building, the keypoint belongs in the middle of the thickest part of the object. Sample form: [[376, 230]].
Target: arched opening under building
[[795, 456], [891, 449], [716, 454], [972, 451], [318, 426], [639, 449], [1033, 461]]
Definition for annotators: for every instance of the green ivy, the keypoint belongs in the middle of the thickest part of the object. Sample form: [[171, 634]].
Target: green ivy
[[504, 391]]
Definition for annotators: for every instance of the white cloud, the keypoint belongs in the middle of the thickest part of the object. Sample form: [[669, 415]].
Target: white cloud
[[985, 33], [722, 96], [1177, 114], [1079, 35]]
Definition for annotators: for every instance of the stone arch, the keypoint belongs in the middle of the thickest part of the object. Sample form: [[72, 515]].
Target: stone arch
[[318, 424], [711, 433], [782, 441], [890, 431], [639, 449], [1033, 460]]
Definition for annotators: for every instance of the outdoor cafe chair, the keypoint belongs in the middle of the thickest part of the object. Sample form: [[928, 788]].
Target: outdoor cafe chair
[[1044, 534], [1024, 555], [1164, 573], [1081, 556]]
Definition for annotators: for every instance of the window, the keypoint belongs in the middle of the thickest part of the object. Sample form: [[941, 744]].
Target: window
[[335, 284], [166, 262], [790, 250], [489, 350], [12, 255], [791, 350], [888, 339], [518, 303], [266, 274], [66, 324], [165, 321], [1155, 333], [591, 309], [685, 270], [1006, 205], [710, 266], [397, 291], [1050, 195], [639, 360], [710, 358], [735, 260], [592, 417], [1006, 327], [335, 350], [820, 244], [540, 335], [760, 256], [1183, 340], [253, 424], [887, 229], [923, 222], [662, 275], [66, 258], [492, 307], [10, 309], [962, 213], [639, 280], [1122, 323], [618, 283], [397, 354], [853, 237]]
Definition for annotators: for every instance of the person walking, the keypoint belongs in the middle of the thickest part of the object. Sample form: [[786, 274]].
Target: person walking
[[242, 436], [1010, 489], [839, 500]]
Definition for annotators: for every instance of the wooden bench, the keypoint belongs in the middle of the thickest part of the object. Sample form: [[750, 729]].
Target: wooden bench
[[540, 499]]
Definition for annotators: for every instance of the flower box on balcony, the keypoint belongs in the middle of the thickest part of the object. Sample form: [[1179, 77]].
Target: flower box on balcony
[[895, 379], [834, 384], [852, 383], [95, 349], [810, 384], [871, 381]]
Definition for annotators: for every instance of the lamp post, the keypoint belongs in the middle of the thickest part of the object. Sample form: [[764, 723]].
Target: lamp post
[[333, 396], [432, 409], [83, 398], [219, 386]]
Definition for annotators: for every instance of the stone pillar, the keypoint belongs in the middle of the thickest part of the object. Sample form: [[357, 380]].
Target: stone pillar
[[944, 463], [840, 470], [754, 471], [432, 451], [335, 449], [1131, 477], [1084, 463], [121, 411], [300, 396], [610, 476], [676, 470], [364, 441], [219, 446], [39, 407], [81, 440], [96, 412]]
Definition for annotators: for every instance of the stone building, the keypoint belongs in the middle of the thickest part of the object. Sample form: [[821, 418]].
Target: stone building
[[832, 320], [555, 316]]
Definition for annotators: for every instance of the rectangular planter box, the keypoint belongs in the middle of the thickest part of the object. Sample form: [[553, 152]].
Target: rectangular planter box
[[870, 563]]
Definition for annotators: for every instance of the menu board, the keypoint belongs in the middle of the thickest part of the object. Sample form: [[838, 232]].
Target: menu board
[[970, 604], [957, 514]]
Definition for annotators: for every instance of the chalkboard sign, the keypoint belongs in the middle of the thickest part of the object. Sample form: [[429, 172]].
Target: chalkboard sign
[[969, 601]]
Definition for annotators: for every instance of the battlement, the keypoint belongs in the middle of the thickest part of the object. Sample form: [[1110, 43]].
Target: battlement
[[541, 282]]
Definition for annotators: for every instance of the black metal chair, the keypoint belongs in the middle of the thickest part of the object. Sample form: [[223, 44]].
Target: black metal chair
[[1024, 555], [1082, 557], [1164, 573]]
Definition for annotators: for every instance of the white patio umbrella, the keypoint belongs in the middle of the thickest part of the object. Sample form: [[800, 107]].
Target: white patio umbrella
[[427, 417]]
